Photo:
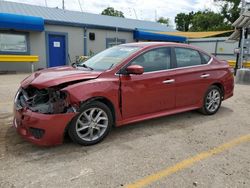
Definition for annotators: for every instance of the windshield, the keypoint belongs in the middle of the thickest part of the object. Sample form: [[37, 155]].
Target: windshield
[[109, 58]]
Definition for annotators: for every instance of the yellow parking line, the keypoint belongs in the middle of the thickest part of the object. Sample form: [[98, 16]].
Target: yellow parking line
[[188, 162]]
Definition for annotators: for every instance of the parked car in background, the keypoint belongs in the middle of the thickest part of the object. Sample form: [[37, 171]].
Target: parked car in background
[[121, 85]]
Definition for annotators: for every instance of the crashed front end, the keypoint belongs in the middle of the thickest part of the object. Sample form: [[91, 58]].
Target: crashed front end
[[42, 115]]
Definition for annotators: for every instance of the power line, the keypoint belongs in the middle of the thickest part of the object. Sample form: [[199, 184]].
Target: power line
[[79, 2], [135, 13]]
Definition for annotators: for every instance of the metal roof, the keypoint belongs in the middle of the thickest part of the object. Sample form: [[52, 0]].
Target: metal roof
[[242, 22], [234, 36], [75, 18]]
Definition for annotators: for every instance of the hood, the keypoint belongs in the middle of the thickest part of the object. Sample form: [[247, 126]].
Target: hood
[[56, 76]]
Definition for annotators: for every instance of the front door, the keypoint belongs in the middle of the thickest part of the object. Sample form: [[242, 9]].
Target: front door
[[154, 90], [57, 50]]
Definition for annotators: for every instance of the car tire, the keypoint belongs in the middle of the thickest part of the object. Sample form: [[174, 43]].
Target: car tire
[[212, 100], [88, 129]]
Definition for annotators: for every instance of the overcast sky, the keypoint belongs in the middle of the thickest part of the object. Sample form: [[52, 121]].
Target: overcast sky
[[141, 9]]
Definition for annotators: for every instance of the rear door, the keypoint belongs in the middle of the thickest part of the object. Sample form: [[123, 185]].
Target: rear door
[[153, 91], [192, 77]]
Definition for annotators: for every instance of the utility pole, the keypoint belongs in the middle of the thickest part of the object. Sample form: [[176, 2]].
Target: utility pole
[[243, 73], [63, 6], [241, 58], [155, 15], [116, 38]]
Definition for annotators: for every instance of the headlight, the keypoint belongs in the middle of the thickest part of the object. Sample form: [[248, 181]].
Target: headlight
[[17, 95]]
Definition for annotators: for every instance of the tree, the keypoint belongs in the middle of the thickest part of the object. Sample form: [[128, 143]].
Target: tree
[[183, 21], [110, 11], [165, 21], [208, 21], [230, 9]]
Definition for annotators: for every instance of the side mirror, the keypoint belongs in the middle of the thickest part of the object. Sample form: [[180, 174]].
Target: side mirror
[[74, 65], [135, 69]]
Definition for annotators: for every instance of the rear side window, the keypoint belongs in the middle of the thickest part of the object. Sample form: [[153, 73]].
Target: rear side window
[[154, 60], [206, 58], [186, 57]]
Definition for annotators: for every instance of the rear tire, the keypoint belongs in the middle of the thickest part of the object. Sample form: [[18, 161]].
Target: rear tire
[[92, 124], [212, 100]]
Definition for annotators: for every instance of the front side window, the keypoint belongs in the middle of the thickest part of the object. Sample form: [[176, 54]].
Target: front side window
[[110, 57], [206, 58], [186, 57], [11, 43], [154, 60]]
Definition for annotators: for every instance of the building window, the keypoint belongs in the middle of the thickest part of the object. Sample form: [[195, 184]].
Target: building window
[[13, 43], [110, 42]]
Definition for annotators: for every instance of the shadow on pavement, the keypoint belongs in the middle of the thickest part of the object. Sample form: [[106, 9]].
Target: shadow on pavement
[[12, 144]]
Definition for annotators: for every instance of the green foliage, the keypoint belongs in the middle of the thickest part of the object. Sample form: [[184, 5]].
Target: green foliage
[[165, 21], [208, 20], [110, 11], [230, 9], [183, 21]]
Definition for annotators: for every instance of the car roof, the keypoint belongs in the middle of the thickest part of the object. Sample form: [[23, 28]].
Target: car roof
[[155, 44], [161, 44]]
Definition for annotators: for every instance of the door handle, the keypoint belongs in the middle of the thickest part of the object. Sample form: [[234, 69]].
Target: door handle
[[169, 81], [205, 75]]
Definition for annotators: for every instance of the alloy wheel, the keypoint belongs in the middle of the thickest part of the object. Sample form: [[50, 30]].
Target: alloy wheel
[[213, 100], [91, 124]]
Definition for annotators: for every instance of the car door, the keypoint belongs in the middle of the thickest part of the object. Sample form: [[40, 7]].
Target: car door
[[192, 77], [153, 91]]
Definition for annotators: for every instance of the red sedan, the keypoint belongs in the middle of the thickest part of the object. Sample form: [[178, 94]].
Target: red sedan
[[121, 85]]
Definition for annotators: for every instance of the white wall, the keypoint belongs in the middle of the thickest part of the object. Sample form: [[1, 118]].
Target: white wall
[[75, 39], [224, 51], [75, 45], [37, 47], [99, 43]]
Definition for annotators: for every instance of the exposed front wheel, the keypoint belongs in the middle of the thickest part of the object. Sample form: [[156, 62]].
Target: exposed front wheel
[[212, 100], [92, 124]]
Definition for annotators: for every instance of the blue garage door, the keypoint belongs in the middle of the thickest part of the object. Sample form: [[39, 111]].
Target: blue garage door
[[57, 51]]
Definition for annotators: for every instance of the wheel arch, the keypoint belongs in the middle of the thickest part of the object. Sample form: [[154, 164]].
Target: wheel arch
[[220, 85], [103, 100]]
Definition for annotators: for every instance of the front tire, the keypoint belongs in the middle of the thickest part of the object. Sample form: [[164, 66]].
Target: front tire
[[212, 100], [92, 124]]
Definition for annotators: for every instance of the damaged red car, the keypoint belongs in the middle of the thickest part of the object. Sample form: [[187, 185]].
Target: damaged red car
[[121, 85]]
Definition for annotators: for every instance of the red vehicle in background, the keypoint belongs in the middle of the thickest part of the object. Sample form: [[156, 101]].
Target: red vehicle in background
[[121, 85]]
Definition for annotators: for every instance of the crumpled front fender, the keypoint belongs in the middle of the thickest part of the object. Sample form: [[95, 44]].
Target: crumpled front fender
[[98, 88]]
